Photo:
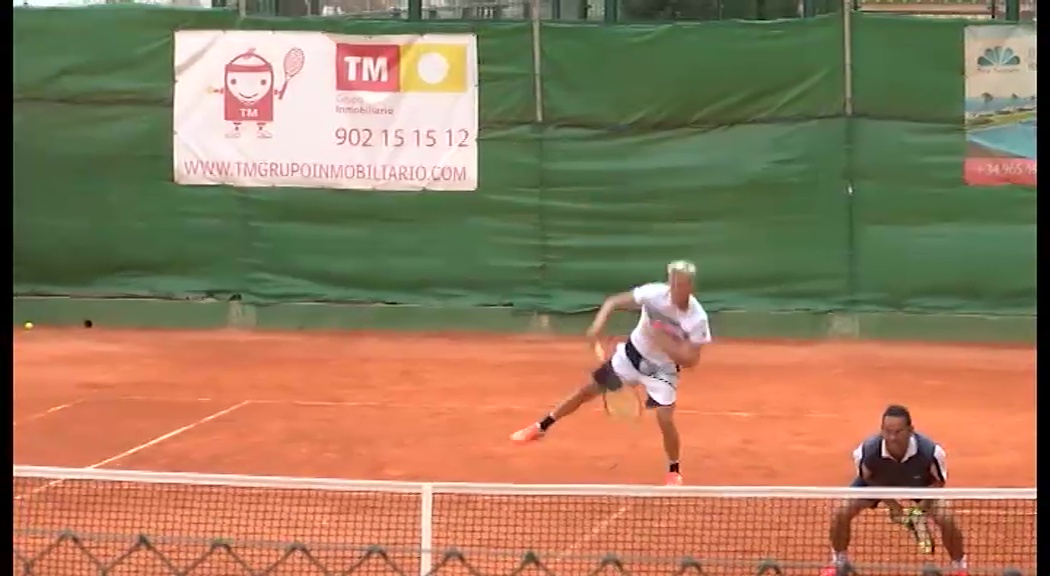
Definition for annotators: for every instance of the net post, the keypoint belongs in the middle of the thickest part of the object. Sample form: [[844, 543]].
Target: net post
[[426, 526]]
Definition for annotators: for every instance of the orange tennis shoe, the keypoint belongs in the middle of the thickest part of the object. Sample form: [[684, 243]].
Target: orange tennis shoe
[[673, 479], [530, 433]]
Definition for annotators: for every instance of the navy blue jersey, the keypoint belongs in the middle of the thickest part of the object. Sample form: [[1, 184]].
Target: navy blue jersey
[[923, 464]]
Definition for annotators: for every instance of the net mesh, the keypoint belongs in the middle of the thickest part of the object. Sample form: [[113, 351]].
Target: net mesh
[[75, 521]]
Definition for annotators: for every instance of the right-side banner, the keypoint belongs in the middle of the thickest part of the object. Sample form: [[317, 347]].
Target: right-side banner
[[1000, 105]]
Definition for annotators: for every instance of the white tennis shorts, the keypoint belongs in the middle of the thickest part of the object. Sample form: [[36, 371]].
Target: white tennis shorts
[[660, 382]]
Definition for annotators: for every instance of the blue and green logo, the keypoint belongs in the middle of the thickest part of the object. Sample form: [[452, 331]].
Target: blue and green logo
[[998, 56]]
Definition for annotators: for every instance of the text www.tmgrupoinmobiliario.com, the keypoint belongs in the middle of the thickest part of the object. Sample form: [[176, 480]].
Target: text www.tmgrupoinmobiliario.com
[[237, 170]]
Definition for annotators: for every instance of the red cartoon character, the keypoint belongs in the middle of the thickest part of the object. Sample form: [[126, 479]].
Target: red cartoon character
[[248, 90]]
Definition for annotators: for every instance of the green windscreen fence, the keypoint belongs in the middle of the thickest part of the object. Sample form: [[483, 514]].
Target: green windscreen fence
[[728, 143]]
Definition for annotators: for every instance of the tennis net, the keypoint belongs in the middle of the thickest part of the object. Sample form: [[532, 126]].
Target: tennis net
[[115, 522]]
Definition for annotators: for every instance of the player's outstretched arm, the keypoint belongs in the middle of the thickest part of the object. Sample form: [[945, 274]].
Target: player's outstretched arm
[[621, 301]]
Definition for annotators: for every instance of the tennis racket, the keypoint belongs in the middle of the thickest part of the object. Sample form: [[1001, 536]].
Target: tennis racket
[[622, 404], [915, 521], [293, 65]]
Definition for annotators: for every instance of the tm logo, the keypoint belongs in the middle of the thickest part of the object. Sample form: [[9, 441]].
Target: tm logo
[[998, 56]]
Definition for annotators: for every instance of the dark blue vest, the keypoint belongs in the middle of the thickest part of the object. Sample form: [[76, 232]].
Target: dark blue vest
[[911, 473]]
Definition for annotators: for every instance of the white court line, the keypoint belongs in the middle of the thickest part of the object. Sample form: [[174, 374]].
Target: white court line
[[473, 407], [144, 445], [50, 410]]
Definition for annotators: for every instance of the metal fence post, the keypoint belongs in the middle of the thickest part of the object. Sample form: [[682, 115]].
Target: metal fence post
[[540, 134], [847, 109], [1013, 10], [415, 10]]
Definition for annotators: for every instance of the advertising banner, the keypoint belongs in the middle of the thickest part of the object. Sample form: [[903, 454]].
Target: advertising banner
[[310, 109], [1000, 105]]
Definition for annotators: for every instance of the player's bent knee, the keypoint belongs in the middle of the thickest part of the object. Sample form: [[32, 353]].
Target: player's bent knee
[[940, 513], [934, 506], [591, 389], [841, 515]]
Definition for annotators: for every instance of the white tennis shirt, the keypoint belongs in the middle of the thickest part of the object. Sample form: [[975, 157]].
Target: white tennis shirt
[[655, 302]]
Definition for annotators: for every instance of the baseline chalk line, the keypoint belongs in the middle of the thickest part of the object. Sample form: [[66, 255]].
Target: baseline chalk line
[[50, 410], [143, 446]]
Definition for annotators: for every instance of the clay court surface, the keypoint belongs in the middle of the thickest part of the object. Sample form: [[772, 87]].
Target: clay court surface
[[439, 407]]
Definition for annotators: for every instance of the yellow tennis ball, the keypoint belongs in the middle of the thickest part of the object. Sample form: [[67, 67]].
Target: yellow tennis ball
[[29, 325]]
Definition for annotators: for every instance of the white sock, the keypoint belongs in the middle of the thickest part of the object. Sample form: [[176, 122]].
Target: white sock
[[838, 558], [961, 563]]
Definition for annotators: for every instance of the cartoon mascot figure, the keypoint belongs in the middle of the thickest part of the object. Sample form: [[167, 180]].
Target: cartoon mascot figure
[[248, 93]]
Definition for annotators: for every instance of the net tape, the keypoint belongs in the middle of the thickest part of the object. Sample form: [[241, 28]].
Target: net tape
[[76, 521]]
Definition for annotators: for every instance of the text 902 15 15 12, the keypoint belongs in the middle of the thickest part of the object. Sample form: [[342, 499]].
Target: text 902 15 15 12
[[402, 137]]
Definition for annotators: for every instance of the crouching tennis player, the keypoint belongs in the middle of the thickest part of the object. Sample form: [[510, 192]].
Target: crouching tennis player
[[898, 457], [671, 330]]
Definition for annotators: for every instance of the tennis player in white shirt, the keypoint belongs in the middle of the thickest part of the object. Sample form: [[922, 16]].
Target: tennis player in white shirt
[[671, 331]]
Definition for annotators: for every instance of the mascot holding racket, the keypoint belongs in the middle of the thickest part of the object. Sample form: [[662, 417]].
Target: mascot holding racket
[[249, 90], [670, 333]]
